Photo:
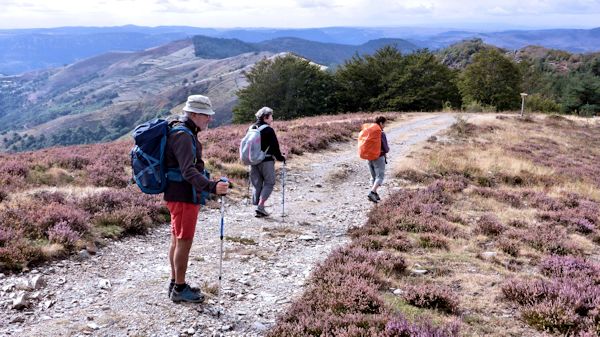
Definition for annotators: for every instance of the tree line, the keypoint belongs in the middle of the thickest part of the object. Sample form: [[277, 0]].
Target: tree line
[[390, 81]]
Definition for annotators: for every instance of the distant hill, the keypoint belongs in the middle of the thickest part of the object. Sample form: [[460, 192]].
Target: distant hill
[[103, 97], [572, 40], [24, 50], [318, 52], [460, 54]]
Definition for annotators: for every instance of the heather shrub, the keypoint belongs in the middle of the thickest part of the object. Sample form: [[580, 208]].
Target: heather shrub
[[133, 220], [105, 201], [414, 176], [106, 175], [400, 327], [570, 267], [510, 247], [453, 183], [15, 167], [51, 214], [63, 233], [433, 241], [432, 297], [503, 196], [541, 201], [490, 225], [578, 214], [370, 242], [47, 197], [420, 210], [561, 304], [397, 241], [72, 162], [549, 239], [529, 292], [8, 234], [330, 325], [18, 254], [553, 316]]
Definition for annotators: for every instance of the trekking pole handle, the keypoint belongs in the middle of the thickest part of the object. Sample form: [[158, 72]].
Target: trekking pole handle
[[225, 180]]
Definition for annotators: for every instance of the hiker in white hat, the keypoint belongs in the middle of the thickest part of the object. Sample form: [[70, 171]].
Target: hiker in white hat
[[186, 182]]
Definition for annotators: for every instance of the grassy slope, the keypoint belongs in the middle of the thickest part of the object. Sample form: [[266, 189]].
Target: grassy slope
[[503, 217], [56, 201]]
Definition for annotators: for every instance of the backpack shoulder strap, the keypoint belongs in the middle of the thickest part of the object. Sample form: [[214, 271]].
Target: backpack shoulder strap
[[185, 129], [262, 127]]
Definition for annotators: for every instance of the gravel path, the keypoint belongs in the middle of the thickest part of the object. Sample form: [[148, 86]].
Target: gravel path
[[122, 291]]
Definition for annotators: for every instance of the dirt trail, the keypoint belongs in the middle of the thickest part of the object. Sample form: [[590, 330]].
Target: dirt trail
[[122, 291]]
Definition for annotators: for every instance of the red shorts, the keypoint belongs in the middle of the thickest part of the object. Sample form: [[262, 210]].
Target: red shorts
[[184, 216]]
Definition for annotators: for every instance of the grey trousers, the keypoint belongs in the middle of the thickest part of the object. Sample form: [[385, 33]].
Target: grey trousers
[[377, 168], [262, 177]]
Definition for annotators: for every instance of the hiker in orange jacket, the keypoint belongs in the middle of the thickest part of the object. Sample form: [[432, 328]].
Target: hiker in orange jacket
[[377, 166]]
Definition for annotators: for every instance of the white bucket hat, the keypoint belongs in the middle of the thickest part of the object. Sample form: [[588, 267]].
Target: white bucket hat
[[199, 104], [263, 112]]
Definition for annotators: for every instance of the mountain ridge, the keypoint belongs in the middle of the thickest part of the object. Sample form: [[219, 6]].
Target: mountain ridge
[[22, 50]]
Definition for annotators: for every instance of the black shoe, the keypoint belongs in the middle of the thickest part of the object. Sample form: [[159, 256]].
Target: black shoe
[[188, 294], [171, 286], [261, 212], [377, 196], [372, 197]]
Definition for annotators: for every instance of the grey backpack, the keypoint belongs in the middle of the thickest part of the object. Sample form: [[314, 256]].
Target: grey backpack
[[250, 151]]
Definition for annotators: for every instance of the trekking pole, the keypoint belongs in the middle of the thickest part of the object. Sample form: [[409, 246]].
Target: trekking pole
[[283, 191], [221, 250], [249, 183]]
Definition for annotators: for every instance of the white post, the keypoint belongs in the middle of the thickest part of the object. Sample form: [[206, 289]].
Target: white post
[[523, 103]]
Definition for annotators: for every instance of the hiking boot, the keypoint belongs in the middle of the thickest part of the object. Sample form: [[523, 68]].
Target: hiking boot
[[377, 196], [187, 295], [373, 197], [171, 286], [261, 212]]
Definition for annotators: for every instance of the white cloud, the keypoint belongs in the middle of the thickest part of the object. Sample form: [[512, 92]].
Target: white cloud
[[296, 13]]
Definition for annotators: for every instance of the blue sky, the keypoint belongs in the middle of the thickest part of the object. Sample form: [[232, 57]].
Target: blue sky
[[481, 14]]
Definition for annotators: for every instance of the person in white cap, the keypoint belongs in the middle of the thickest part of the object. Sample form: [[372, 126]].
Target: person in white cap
[[183, 156], [262, 175]]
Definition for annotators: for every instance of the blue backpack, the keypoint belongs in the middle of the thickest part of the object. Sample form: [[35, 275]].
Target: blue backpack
[[148, 154]]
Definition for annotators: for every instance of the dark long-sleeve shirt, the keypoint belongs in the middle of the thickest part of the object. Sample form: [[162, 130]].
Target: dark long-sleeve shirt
[[180, 154], [269, 143], [384, 144]]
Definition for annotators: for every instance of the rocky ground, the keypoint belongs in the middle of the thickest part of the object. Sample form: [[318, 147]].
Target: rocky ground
[[122, 289]]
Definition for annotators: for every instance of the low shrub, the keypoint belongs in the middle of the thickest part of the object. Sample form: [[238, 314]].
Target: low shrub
[[432, 297], [400, 327], [490, 225], [433, 241], [552, 316], [63, 233], [510, 247], [570, 267], [19, 254], [547, 238]]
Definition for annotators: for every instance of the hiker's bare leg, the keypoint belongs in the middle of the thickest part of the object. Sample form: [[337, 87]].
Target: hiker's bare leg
[[375, 187], [172, 255], [261, 202], [180, 259]]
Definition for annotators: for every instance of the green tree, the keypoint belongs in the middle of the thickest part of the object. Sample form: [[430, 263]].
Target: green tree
[[491, 79], [582, 94], [291, 86], [362, 79], [419, 83]]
